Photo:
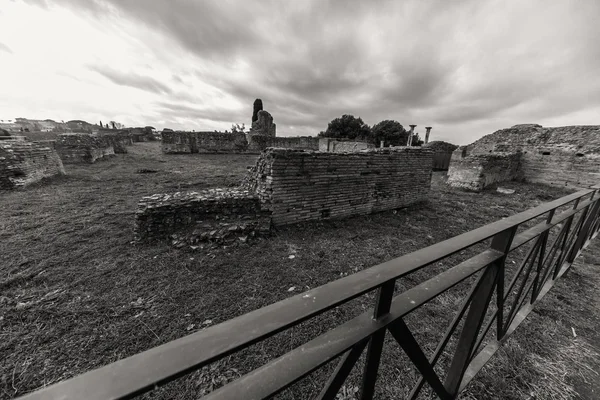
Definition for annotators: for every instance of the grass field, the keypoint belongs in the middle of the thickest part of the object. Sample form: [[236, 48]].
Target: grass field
[[76, 294]]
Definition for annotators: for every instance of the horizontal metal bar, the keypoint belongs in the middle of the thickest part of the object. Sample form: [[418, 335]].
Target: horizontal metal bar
[[289, 368], [176, 358], [536, 230], [490, 349]]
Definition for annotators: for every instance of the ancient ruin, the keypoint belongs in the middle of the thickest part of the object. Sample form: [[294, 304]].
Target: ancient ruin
[[23, 162], [213, 214], [342, 146], [565, 156], [203, 142], [290, 186], [442, 153], [74, 149], [257, 106]]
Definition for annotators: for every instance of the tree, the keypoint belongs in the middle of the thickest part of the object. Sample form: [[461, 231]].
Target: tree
[[416, 140], [391, 132], [347, 127], [236, 128]]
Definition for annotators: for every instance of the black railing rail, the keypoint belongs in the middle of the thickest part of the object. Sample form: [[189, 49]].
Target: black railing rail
[[537, 272]]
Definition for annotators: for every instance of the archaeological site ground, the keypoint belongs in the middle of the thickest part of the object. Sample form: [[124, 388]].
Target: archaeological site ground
[[107, 260]]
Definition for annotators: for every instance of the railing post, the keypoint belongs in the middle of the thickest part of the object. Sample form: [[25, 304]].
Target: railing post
[[382, 308], [583, 232], [476, 314], [501, 242], [544, 242]]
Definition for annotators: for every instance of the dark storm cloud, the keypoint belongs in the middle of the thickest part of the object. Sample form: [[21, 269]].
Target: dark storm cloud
[[132, 80], [448, 63], [5, 48]]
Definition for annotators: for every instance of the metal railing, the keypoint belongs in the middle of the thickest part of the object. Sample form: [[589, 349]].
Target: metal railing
[[565, 227]]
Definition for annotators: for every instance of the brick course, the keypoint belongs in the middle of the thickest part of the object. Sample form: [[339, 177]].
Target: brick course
[[203, 142], [24, 162], [74, 149], [301, 186]]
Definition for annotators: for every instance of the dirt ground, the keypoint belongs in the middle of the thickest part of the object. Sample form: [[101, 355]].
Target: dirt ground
[[76, 293]]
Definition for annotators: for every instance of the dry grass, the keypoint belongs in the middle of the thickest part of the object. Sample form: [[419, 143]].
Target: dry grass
[[75, 294]]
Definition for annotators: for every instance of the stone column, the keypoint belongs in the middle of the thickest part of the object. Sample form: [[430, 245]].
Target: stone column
[[381, 144], [428, 131], [410, 135]]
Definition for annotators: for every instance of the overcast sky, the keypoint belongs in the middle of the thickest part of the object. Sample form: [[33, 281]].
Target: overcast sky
[[467, 68]]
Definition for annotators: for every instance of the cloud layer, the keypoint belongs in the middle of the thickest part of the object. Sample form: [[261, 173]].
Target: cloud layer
[[464, 68]]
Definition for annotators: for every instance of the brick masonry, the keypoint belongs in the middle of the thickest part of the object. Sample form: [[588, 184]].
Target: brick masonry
[[23, 163], [212, 214], [297, 186], [478, 171], [288, 186], [74, 149], [341, 146], [566, 156], [258, 143], [203, 142]]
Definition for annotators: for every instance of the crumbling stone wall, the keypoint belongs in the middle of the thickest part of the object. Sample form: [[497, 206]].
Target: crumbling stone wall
[[23, 163], [119, 142], [74, 149], [342, 146], [566, 156], [210, 215], [297, 186], [288, 186], [257, 143], [478, 171], [203, 142]]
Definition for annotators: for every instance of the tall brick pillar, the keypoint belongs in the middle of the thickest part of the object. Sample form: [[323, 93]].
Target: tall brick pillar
[[428, 131]]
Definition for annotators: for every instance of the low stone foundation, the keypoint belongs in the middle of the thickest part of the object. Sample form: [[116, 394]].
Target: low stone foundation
[[119, 142], [213, 215], [203, 142], [23, 163], [258, 143], [478, 171], [342, 146], [289, 186], [75, 149]]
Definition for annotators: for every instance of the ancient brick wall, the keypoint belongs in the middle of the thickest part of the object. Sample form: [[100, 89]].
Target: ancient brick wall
[[301, 186], [257, 143], [203, 142], [478, 171], [213, 214], [74, 149], [24, 162], [565, 156], [342, 146], [119, 142]]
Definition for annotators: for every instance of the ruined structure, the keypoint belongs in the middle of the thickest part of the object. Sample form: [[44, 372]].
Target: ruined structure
[[23, 162], [263, 126], [289, 186], [478, 171], [203, 142], [257, 106], [120, 139], [442, 153], [213, 214], [330, 145], [74, 149], [258, 143], [566, 156]]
